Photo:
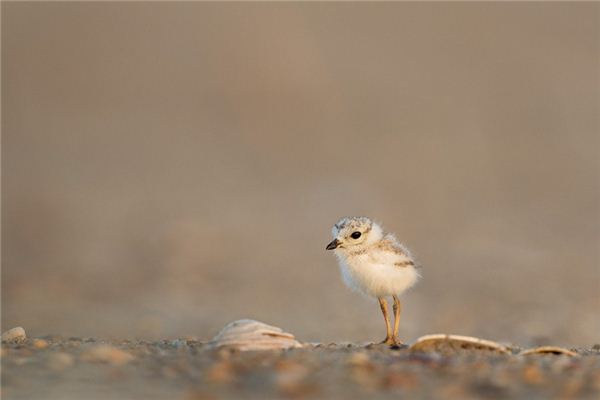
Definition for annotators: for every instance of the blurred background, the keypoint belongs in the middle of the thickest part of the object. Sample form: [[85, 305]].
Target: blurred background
[[168, 168]]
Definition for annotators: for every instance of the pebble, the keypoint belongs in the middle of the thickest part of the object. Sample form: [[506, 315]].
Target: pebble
[[39, 344], [403, 380], [107, 354], [221, 372], [300, 373], [313, 344], [533, 375], [14, 335], [178, 343], [60, 361], [359, 359], [290, 379]]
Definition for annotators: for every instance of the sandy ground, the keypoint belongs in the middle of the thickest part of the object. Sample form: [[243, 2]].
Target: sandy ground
[[77, 368]]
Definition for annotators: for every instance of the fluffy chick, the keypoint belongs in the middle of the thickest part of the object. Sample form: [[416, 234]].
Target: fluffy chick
[[375, 264]]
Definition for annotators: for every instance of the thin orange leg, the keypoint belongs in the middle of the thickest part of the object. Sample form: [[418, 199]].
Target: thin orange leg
[[397, 309], [389, 337]]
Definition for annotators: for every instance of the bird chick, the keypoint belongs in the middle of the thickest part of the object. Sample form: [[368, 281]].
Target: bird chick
[[374, 263]]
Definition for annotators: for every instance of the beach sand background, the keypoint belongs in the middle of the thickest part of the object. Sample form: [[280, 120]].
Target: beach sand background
[[169, 168]]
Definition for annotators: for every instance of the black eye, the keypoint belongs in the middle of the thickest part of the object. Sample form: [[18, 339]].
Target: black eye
[[355, 235]]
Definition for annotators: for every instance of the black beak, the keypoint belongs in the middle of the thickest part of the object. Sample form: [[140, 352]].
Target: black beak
[[333, 245]]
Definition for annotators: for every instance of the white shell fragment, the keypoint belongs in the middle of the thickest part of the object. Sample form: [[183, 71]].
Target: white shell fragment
[[449, 344], [14, 335], [247, 334], [548, 350]]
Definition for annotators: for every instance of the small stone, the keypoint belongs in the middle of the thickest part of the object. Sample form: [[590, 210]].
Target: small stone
[[107, 354], [291, 379], [39, 344], [362, 369], [401, 380], [178, 343], [533, 375], [359, 359], [221, 372], [14, 335], [290, 368], [313, 344], [60, 361], [365, 376]]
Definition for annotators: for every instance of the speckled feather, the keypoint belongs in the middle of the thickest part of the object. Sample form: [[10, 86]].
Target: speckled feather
[[375, 264]]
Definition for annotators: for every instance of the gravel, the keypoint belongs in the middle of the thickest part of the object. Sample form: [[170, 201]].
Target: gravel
[[74, 368]]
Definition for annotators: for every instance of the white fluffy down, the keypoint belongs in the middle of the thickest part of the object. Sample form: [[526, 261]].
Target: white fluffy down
[[372, 262], [377, 280]]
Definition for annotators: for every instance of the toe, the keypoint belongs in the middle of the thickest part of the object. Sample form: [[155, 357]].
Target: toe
[[398, 341], [388, 340]]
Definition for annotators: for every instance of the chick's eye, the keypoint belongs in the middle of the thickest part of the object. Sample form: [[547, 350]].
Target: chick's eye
[[355, 235]]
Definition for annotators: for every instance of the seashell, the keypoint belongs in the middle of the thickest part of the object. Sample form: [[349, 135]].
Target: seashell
[[247, 334], [548, 350], [14, 335], [450, 344]]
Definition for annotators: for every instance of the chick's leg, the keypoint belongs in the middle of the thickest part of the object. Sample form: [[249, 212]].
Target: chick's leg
[[389, 338], [397, 308]]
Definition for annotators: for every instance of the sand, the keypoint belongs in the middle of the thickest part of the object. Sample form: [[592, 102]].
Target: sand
[[84, 368]]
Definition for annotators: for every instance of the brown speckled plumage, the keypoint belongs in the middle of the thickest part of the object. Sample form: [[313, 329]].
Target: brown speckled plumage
[[375, 264]]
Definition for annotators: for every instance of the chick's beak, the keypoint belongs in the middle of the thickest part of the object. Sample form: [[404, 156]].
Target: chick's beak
[[333, 245]]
